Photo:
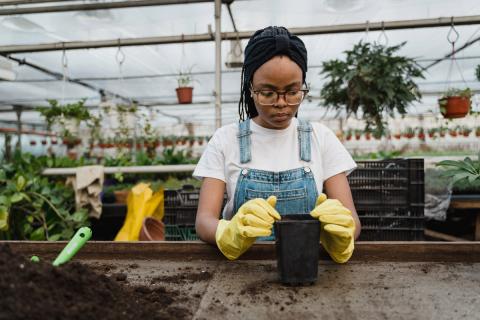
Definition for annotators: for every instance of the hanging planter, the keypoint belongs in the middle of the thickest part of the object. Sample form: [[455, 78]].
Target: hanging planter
[[455, 106], [184, 95], [184, 89]]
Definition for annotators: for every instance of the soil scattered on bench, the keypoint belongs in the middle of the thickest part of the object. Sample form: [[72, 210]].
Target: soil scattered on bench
[[74, 291]]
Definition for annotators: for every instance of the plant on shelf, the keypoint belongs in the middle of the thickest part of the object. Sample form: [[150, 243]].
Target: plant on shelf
[[453, 131], [466, 169], [432, 132], [409, 133], [455, 103], [374, 81], [185, 89], [421, 133], [442, 131], [477, 131], [465, 131], [348, 135]]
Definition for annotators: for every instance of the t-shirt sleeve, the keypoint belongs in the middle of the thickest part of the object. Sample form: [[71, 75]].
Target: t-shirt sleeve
[[212, 161], [335, 157]]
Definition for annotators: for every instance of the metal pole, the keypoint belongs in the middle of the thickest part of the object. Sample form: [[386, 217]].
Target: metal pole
[[218, 65], [18, 111], [345, 28], [26, 2], [132, 169], [94, 6]]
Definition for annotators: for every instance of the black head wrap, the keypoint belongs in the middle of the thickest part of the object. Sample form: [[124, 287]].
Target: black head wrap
[[263, 46]]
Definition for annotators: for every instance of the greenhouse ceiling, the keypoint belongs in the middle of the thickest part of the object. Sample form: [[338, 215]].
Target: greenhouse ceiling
[[147, 73]]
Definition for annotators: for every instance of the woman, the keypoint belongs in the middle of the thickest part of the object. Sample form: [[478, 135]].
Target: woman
[[271, 163]]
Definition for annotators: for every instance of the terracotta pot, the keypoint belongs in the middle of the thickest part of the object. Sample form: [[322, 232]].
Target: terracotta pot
[[456, 107], [397, 136], [121, 196], [184, 95], [152, 230]]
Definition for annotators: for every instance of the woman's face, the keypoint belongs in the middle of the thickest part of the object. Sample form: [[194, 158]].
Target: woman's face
[[281, 74]]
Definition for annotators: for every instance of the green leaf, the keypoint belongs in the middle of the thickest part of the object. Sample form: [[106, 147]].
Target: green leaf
[[3, 175], [17, 197], [3, 218], [38, 234], [55, 237], [21, 181], [3, 200]]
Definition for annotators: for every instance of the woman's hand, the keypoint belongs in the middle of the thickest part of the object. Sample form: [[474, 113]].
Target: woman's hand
[[253, 219], [337, 228]]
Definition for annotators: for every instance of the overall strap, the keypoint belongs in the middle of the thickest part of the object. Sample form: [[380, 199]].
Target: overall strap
[[304, 132], [244, 140]]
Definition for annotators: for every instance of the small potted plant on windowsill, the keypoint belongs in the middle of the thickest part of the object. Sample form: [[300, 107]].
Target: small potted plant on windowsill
[[455, 103], [184, 89]]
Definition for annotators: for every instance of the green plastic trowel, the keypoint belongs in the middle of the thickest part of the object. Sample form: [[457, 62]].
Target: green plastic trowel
[[78, 241]]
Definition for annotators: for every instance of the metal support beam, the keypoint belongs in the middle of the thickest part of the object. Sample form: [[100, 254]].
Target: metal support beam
[[59, 76], [18, 111], [218, 65], [132, 169], [344, 28], [89, 6], [26, 2]]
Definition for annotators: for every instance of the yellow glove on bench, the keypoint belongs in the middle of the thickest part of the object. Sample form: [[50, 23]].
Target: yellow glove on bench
[[254, 219], [337, 228]]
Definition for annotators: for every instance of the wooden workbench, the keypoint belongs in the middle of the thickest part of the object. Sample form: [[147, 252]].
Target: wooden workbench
[[396, 280]]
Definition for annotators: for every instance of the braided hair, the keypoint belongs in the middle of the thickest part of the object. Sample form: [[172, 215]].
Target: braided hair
[[263, 46]]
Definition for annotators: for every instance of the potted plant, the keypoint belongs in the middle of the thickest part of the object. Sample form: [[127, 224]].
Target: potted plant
[[358, 134], [348, 135], [442, 131], [465, 131], [432, 132], [453, 131], [477, 132], [421, 133], [409, 133], [374, 81], [455, 103], [184, 89]]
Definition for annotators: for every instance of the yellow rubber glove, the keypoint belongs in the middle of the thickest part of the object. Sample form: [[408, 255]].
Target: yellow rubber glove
[[254, 219], [337, 228]]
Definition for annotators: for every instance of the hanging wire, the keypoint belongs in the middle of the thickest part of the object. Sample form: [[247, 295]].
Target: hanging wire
[[64, 74], [452, 38], [367, 30], [383, 36]]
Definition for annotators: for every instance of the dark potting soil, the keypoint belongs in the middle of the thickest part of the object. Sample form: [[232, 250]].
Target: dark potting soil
[[37, 290]]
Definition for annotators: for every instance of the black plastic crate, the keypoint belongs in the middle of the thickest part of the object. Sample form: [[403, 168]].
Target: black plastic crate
[[389, 198], [177, 233], [392, 182], [399, 234], [181, 206]]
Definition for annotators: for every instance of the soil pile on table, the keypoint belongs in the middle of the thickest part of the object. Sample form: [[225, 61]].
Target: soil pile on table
[[37, 290]]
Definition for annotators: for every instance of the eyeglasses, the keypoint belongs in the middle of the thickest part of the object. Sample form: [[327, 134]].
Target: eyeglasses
[[270, 97]]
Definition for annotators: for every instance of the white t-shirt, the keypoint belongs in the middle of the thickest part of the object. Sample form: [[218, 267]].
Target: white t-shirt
[[271, 150]]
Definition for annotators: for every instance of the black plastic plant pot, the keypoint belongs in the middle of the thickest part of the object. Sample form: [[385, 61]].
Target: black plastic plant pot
[[297, 241]]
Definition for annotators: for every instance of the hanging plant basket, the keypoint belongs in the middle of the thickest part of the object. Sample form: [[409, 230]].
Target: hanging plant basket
[[184, 95], [454, 106]]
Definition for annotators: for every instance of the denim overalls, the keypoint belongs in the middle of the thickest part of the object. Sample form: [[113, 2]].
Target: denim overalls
[[295, 189]]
